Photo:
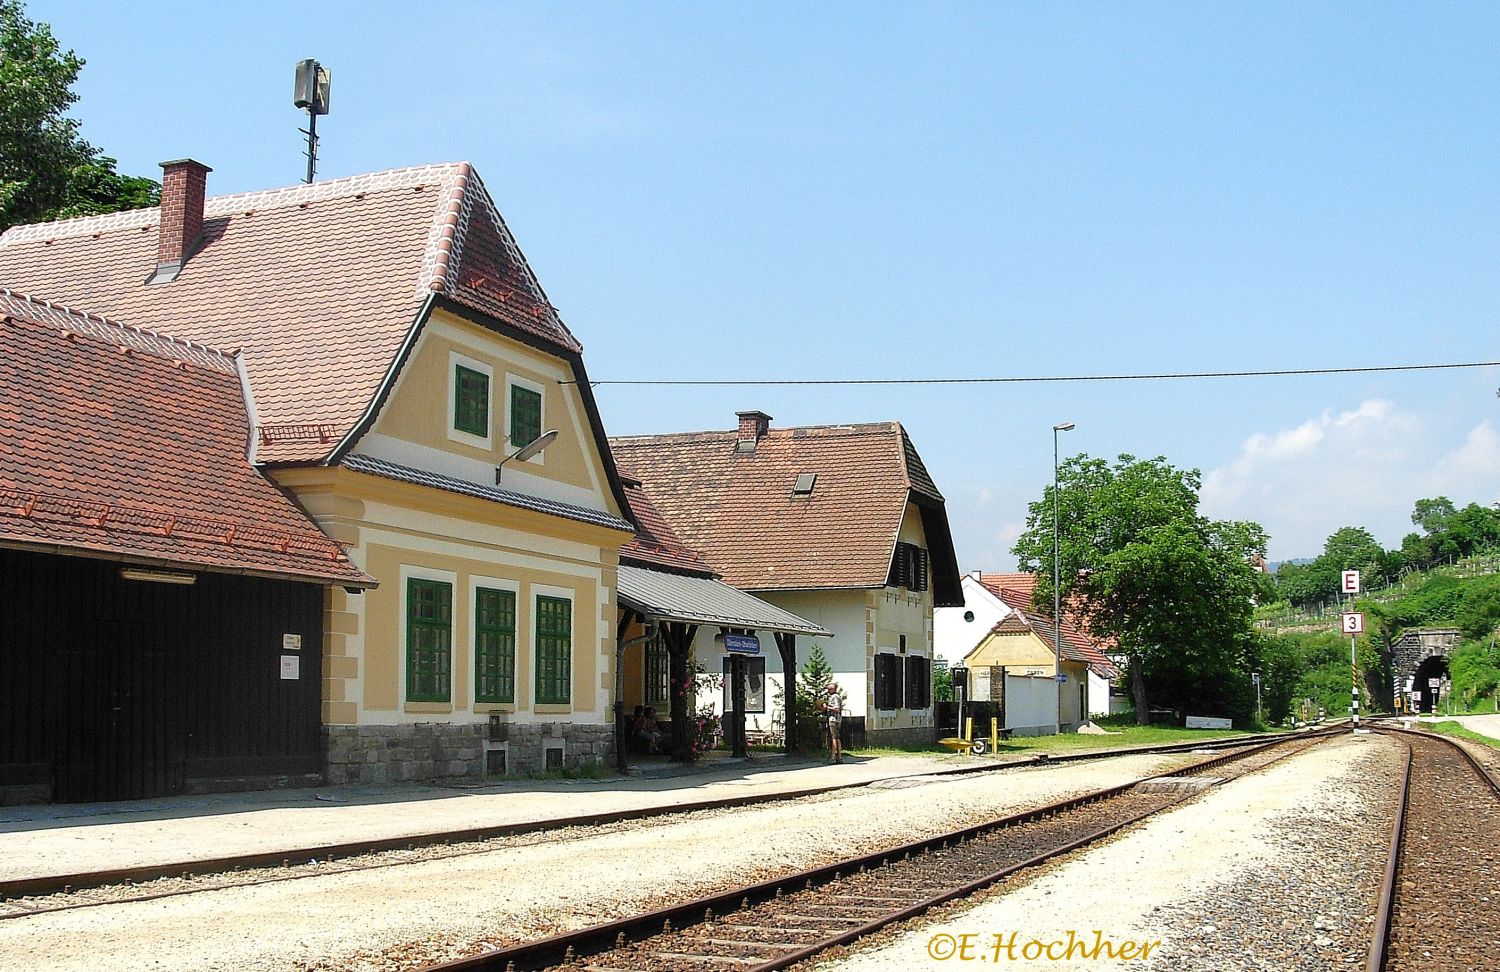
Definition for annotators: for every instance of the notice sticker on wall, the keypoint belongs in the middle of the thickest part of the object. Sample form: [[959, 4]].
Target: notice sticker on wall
[[291, 667], [291, 642]]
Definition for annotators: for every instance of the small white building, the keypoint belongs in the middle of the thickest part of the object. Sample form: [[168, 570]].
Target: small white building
[[989, 599]]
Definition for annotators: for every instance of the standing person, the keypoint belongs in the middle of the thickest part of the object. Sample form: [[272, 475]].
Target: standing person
[[833, 708]]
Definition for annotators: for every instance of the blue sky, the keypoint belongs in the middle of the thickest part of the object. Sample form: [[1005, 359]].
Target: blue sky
[[942, 189]]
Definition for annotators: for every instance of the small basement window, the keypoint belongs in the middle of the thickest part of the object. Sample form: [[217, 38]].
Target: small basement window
[[804, 485]]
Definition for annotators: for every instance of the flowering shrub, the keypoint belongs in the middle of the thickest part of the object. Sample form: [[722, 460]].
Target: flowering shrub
[[708, 731]]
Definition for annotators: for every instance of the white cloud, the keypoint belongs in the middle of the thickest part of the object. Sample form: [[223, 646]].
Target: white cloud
[[1362, 467]]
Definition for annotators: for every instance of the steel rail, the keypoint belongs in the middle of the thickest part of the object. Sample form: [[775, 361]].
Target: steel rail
[[595, 939], [64, 883], [1380, 935]]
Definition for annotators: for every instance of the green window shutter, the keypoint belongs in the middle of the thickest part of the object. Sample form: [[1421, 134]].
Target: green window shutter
[[494, 645], [471, 401], [554, 649], [525, 416], [429, 640]]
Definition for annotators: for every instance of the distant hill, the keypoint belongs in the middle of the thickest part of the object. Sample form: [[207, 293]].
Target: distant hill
[[1294, 560]]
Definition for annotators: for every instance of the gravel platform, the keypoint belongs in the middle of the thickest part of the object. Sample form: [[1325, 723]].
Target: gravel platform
[[410, 914]]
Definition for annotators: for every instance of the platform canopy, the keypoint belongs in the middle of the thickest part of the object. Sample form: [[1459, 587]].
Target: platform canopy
[[702, 600]]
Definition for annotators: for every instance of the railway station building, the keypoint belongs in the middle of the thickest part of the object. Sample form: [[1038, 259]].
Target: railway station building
[[839, 525], [410, 399]]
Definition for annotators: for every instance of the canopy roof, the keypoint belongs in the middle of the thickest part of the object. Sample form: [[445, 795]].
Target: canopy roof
[[703, 600]]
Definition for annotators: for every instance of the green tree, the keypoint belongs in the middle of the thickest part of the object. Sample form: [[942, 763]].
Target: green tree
[[942, 685], [1173, 589], [812, 688], [46, 168], [1432, 515]]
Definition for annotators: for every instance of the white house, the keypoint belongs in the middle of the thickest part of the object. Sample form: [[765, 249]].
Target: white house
[[989, 599]]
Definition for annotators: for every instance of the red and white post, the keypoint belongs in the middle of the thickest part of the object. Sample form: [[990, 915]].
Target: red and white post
[[1353, 624]]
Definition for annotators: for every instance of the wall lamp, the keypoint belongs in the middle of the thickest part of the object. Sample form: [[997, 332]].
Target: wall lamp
[[528, 451]]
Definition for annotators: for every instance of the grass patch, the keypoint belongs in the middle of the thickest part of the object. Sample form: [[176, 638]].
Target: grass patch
[[1127, 736], [1457, 730], [1121, 736]]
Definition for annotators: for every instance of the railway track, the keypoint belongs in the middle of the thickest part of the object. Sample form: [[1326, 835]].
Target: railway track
[[22, 896], [1439, 904], [777, 923]]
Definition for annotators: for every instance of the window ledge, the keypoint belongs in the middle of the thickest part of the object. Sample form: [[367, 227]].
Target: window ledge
[[428, 708], [484, 707], [553, 708]]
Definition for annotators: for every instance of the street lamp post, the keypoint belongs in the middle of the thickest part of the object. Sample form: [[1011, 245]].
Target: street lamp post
[[1057, 571]]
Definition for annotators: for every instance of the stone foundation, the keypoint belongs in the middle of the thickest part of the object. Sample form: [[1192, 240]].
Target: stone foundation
[[436, 750], [910, 736]]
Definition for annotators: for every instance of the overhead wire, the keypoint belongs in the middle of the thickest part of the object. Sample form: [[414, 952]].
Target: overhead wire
[[1027, 379]]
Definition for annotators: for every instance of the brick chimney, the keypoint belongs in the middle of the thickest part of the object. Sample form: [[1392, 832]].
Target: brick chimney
[[183, 185], [753, 428]]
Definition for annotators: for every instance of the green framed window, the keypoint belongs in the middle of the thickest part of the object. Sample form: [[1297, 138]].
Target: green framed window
[[429, 640], [658, 671], [494, 645], [554, 649], [471, 401], [525, 416]]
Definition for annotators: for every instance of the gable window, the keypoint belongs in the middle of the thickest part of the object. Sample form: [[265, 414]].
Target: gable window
[[471, 401], [658, 677], [525, 415], [888, 672], [909, 567], [429, 640], [918, 682], [494, 645], [554, 649]]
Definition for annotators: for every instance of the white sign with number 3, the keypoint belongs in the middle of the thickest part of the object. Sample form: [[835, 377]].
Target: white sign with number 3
[[1354, 623]]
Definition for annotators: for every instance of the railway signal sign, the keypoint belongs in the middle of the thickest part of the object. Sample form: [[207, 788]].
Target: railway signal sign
[[1434, 683], [1353, 622], [1351, 582]]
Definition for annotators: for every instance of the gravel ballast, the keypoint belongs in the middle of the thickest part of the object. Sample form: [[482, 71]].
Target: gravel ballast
[[1275, 871]]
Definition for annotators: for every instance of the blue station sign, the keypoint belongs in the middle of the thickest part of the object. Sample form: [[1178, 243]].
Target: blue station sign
[[742, 644]]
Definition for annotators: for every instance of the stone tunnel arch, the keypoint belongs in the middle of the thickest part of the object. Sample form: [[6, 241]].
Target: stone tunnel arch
[[1419, 655]]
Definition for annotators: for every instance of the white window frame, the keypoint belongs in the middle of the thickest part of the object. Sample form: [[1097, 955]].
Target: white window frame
[[410, 572], [516, 381], [486, 442]]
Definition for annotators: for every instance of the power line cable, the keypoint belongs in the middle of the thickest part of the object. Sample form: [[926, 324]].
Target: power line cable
[[1025, 379]]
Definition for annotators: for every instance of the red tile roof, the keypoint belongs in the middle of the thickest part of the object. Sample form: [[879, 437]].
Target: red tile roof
[[655, 545], [1017, 589], [121, 443], [738, 509], [319, 286]]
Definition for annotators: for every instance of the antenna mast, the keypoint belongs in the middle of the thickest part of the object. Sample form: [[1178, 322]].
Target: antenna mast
[[311, 92]]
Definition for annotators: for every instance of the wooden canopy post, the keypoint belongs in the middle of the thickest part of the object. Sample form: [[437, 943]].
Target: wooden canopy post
[[622, 731], [737, 745], [679, 637], [786, 643]]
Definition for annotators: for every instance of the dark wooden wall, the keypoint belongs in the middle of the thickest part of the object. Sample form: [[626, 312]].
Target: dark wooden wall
[[117, 689]]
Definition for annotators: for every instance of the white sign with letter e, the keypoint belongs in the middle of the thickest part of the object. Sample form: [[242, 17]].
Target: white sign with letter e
[[1351, 582], [1354, 623]]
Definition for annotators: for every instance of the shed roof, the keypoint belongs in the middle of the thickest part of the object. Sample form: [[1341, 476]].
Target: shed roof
[[655, 545], [120, 443], [703, 600]]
